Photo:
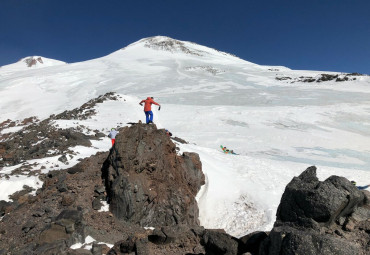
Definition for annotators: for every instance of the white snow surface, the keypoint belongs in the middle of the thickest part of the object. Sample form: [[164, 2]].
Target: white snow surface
[[87, 245], [208, 98]]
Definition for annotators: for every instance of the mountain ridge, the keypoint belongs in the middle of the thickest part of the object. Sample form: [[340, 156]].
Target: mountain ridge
[[139, 70]]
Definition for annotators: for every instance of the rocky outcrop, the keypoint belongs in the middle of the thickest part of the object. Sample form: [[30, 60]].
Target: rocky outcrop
[[321, 78], [159, 189], [62, 213], [86, 110], [171, 45], [39, 139], [148, 183], [32, 61], [314, 217]]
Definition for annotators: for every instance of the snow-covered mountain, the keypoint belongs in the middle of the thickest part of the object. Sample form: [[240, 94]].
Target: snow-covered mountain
[[279, 120], [33, 62]]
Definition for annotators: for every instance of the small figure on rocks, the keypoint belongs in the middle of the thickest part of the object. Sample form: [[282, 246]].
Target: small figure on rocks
[[168, 133], [148, 108], [227, 151], [112, 135], [360, 187]]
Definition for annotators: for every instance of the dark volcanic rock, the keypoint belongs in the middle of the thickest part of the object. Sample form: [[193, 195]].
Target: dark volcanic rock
[[288, 240], [251, 243], [312, 215], [179, 239], [148, 183], [51, 221], [218, 243], [307, 198]]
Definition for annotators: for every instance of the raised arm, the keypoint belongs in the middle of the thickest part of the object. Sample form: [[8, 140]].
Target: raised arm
[[155, 103], [363, 187]]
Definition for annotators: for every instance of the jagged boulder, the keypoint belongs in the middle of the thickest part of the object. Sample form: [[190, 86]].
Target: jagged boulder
[[306, 197], [312, 218], [148, 183]]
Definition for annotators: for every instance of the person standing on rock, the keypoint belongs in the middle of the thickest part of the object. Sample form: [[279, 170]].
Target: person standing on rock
[[148, 108], [112, 135]]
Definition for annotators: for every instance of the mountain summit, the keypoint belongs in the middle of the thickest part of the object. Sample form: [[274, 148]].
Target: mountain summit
[[165, 43], [32, 62]]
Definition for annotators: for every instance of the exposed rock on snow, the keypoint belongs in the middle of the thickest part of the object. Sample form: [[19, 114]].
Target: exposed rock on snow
[[321, 78], [169, 44], [32, 61], [39, 139], [86, 110], [209, 69], [165, 43]]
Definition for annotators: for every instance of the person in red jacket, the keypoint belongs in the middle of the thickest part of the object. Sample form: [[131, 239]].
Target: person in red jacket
[[148, 108]]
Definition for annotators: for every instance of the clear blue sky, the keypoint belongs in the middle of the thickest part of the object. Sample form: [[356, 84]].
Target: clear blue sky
[[327, 35]]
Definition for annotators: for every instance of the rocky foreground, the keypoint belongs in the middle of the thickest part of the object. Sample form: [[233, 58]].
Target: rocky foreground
[[151, 193]]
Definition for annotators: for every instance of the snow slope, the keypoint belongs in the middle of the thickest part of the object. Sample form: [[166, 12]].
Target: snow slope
[[210, 98]]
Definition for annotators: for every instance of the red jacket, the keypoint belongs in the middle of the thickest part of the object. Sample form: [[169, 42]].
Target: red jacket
[[148, 104]]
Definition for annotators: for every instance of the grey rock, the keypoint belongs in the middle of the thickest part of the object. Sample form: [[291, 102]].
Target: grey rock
[[311, 216], [38, 213], [100, 190], [147, 183], [286, 240], [52, 248], [220, 243], [63, 159], [252, 242], [96, 249], [306, 197], [28, 226], [3, 206], [142, 247], [96, 204]]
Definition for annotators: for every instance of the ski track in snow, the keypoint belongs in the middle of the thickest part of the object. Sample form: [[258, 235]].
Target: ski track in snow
[[279, 129]]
